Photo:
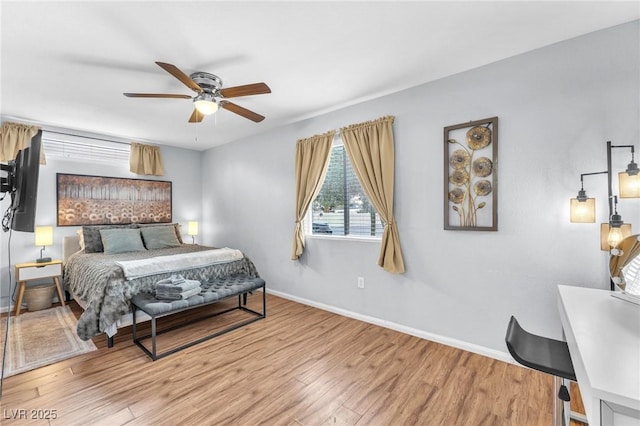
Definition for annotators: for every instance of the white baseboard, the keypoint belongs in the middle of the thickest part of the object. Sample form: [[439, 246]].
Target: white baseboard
[[470, 347]]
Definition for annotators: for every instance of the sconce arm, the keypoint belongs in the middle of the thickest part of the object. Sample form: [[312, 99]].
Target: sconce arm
[[632, 168], [582, 194], [625, 146], [590, 174]]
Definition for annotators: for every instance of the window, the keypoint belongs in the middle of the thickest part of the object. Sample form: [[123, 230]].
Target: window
[[83, 149], [342, 208]]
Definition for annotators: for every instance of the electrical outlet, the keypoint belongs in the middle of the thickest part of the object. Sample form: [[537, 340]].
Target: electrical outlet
[[360, 282]]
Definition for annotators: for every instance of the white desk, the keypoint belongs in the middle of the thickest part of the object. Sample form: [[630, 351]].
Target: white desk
[[603, 334]]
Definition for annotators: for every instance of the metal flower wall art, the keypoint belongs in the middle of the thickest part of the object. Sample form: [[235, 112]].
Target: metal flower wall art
[[470, 181]]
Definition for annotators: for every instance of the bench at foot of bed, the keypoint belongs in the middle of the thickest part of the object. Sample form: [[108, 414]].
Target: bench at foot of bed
[[212, 291]]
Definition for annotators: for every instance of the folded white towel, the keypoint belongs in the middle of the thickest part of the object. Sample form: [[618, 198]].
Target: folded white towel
[[178, 296], [177, 288], [173, 279]]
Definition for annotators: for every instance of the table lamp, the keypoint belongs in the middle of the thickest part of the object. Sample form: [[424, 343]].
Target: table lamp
[[192, 229], [44, 237]]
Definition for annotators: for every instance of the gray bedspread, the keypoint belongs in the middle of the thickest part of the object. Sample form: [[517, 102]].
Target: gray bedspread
[[102, 287]]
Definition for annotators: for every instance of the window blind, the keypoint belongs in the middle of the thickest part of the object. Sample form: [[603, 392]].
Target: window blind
[[342, 208], [78, 148]]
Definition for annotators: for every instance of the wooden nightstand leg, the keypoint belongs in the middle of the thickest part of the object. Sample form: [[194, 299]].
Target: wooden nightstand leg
[[22, 285], [59, 289]]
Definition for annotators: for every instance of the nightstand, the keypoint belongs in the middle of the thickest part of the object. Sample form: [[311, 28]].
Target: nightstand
[[33, 271]]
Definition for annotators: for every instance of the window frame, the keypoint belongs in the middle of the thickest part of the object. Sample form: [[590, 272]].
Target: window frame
[[307, 223]]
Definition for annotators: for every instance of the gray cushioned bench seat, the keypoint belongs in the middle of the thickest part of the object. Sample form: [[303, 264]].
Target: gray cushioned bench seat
[[212, 291]]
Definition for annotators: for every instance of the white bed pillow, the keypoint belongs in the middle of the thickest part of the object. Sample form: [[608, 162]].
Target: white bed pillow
[[80, 238]]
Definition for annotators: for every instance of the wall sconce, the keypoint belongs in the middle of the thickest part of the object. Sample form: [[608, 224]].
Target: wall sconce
[[44, 237], [629, 180], [610, 239], [583, 208], [192, 229]]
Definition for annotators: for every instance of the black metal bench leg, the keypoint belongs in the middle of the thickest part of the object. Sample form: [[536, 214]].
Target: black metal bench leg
[[244, 298], [153, 338], [109, 341], [134, 325]]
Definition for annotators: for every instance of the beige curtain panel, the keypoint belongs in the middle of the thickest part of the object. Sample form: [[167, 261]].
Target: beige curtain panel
[[312, 162], [370, 149], [14, 137], [145, 160]]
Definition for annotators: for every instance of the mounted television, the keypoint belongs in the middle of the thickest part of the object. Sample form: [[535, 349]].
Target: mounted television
[[22, 183]]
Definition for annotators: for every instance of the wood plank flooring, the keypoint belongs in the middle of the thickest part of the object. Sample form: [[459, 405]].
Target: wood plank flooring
[[299, 366]]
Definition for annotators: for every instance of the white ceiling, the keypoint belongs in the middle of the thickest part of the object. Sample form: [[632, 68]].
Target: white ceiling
[[66, 64]]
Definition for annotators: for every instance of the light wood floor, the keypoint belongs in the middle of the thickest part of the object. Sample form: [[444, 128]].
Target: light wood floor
[[299, 366]]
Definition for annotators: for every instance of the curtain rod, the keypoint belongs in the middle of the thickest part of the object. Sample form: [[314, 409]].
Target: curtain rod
[[49, 129]]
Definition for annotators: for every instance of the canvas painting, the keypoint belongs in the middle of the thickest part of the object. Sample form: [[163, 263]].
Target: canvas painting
[[96, 200]]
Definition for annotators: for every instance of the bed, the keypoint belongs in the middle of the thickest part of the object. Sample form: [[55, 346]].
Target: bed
[[103, 282]]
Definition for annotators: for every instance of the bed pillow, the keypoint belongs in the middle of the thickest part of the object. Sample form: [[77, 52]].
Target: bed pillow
[[157, 237], [92, 238], [175, 226], [80, 238], [121, 240]]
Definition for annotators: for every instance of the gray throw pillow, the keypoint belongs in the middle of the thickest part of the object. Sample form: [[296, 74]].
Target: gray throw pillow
[[92, 238], [157, 237], [121, 240], [175, 226]]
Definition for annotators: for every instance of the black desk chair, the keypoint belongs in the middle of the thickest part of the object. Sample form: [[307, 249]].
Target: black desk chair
[[549, 356]]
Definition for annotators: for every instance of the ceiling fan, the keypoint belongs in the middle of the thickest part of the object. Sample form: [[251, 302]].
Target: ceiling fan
[[208, 88]]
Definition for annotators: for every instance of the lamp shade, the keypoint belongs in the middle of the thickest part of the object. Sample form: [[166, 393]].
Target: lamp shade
[[206, 103], [629, 186], [583, 211], [44, 235], [192, 228], [206, 107], [607, 237]]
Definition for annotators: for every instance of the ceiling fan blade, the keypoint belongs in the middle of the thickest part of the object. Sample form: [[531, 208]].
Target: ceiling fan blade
[[185, 79], [246, 90], [156, 95], [242, 111], [196, 116]]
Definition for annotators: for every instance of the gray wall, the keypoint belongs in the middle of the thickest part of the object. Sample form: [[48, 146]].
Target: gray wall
[[182, 168], [557, 107]]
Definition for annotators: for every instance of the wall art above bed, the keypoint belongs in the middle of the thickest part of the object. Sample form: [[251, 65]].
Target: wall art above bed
[[470, 176], [96, 200]]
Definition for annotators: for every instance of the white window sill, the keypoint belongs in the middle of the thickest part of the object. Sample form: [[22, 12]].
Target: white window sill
[[343, 238]]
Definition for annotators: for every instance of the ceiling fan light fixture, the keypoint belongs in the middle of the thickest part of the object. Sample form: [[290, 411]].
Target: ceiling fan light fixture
[[206, 104], [208, 87]]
